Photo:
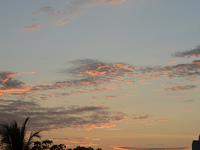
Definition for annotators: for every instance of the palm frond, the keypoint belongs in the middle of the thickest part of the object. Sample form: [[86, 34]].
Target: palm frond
[[32, 136], [13, 137]]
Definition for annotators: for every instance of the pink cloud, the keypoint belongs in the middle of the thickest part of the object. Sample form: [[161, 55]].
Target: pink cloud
[[102, 126], [28, 72], [69, 140], [123, 147], [61, 22], [32, 28], [89, 144], [171, 61]]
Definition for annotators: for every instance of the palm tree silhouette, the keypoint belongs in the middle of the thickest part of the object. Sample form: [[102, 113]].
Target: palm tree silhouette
[[13, 137]]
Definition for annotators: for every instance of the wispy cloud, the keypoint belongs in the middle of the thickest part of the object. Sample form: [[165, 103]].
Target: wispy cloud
[[70, 10], [145, 120], [88, 75], [189, 101], [171, 62], [141, 117], [70, 140], [102, 126], [180, 88], [123, 147], [189, 53], [32, 27], [58, 117]]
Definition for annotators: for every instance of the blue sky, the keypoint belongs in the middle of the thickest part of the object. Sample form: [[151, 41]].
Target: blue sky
[[109, 71]]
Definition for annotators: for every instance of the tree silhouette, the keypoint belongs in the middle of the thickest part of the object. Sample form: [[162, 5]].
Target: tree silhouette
[[42, 146], [47, 145], [84, 148], [13, 137]]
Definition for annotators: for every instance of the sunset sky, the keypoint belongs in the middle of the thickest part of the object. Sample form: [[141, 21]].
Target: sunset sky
[[114, 74]]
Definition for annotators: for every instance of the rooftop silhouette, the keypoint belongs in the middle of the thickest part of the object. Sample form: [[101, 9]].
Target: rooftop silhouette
[[196, 144]]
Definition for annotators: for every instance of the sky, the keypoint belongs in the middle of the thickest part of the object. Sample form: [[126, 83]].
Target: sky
[[114, 74]]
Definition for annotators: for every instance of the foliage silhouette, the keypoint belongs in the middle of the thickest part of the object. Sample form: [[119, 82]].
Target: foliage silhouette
[[42, 146], [47, 145], [13, 137], [84, 148]]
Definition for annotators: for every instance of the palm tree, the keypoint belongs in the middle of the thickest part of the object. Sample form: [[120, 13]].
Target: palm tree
[[13, 137]]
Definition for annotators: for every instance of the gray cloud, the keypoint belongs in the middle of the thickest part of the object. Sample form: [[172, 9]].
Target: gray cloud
[[7, 81], [181, 87], [57, 117], [95, 68], [94, 72], [141, 117], [92, 75], [189, 53], [188, 71]]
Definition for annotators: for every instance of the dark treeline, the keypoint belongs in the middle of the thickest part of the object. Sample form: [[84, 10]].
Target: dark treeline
[[48, 145]]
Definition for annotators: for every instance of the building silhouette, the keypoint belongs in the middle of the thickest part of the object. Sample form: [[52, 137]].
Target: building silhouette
[[196, 144]]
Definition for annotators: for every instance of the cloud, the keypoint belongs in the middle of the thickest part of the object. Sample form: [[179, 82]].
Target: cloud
[[171, 62], [5, 78], [70, 10], [102, 126], [95, 2], [70, 140], [88, 75], [58, 117], [141, 117], [180, 88], [169, 95], [96, 73], [32, 27], [28, 72], [146, 121], [95, 68], [9, 84], [89, 144], [189, 71], [123, 148], [189, 53], [117, 96]]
